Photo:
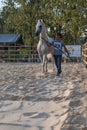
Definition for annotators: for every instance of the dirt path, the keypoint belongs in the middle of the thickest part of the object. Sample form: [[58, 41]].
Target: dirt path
[[31, 100]]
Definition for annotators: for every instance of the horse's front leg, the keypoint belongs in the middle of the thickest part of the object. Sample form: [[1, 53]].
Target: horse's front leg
[[42, 62], [44, 70], [43, 66], [45, 61]]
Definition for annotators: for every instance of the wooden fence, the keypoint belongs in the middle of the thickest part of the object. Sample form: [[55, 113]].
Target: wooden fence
[[25, 54], [84, 54], [16, 54]]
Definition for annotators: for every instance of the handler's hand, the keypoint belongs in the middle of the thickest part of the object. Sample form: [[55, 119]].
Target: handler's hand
[[68, 54]]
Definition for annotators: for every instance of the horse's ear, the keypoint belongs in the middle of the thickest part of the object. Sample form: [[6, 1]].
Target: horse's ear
[[39, 20], [43, 20]]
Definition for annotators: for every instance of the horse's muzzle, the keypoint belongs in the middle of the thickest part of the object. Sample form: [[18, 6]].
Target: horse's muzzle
[[36, 33]]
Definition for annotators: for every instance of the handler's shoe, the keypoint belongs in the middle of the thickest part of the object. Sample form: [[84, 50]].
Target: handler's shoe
[[58, 73]]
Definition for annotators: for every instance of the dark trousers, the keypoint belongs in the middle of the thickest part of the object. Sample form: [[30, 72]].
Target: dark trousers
[[58, 60]]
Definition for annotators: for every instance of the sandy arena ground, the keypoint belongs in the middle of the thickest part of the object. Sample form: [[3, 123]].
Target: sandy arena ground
[[30, 100]]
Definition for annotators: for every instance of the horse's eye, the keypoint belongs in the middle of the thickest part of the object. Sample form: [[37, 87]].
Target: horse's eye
[[40, 26]]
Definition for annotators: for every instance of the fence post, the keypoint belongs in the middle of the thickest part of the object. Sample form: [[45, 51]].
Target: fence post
[[12, 53], [84, 54], [9, 53]]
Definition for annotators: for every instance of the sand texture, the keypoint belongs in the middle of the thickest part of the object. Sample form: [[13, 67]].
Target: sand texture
[[31, 100]]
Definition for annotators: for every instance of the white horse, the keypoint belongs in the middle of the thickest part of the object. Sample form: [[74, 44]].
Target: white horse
[[42, 47]]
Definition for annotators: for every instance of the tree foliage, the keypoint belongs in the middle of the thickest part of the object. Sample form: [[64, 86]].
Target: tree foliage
[[66, 16]]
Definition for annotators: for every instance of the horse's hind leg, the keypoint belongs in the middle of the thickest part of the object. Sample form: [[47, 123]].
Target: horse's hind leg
[[53, 62]]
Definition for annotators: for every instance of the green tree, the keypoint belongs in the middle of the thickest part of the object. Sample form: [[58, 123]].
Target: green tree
[[66, 16]]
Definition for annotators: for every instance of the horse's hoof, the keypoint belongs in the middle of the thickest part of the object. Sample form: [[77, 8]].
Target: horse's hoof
[[46, 71]]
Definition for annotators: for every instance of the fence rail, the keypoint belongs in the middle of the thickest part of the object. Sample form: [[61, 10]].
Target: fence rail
[[24, 54], [16, 54], [84, 54]]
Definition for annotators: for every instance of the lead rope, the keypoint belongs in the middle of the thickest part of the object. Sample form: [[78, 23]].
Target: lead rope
[[57, 48]]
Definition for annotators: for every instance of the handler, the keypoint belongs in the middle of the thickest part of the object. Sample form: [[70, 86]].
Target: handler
[[58, 43]]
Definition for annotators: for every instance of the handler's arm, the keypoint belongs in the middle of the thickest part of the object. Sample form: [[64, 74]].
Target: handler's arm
[[66, 50], [47, 42]]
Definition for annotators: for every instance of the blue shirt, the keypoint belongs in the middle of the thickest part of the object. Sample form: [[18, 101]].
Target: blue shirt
[[59, 44]]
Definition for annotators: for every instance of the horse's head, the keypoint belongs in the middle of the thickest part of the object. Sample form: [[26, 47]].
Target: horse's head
[[39, 26]]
